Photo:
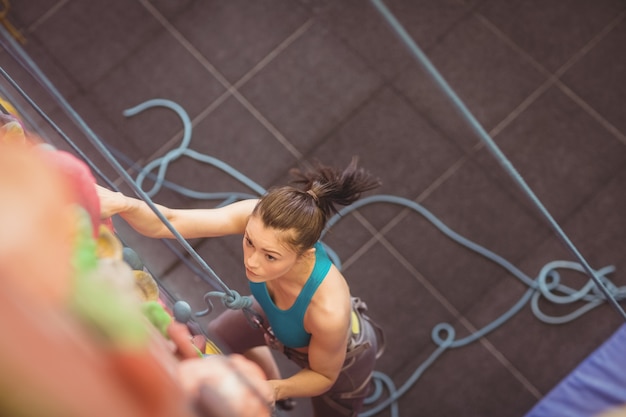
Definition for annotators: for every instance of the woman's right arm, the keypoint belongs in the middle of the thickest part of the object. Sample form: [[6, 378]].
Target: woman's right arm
[[190, 223]]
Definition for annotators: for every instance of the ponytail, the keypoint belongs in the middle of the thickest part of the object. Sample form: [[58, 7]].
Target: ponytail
[[306, 208]]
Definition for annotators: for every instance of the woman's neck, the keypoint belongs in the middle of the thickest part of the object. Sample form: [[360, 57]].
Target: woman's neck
[[292, 282]]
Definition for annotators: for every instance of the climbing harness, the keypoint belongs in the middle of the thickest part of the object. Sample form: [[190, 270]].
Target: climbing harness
[[546, 285]]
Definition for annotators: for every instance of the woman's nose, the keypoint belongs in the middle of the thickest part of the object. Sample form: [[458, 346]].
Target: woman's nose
[[251, 261]]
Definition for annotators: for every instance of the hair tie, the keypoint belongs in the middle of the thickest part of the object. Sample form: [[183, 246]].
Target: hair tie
[[312, 194]]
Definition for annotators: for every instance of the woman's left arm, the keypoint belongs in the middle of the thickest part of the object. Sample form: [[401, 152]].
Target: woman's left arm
[[327, 352]]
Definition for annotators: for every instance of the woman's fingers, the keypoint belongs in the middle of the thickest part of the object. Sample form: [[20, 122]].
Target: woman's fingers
[[235, 384]]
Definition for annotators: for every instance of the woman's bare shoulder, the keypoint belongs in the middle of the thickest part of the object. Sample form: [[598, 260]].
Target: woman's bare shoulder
[[331, 304]]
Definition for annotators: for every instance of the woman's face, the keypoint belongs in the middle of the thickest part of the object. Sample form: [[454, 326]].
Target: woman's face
[[265, 255]]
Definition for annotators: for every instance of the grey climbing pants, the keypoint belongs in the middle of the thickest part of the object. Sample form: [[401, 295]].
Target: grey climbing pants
[[346, 396]]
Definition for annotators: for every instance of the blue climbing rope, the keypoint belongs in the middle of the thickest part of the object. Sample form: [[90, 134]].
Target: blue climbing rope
[[183, 150]]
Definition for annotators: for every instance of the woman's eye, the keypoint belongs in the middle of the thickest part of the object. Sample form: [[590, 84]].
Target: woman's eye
[[270, 258], [248, 241]]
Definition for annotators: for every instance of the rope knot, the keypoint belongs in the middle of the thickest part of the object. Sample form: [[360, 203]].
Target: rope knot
[[236, 301], [232, 300]]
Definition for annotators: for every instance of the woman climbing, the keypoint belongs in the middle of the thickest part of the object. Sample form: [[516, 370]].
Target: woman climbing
[[313, 319]]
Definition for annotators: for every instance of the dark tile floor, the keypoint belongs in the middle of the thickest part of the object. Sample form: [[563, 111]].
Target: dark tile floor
[[268, 84]]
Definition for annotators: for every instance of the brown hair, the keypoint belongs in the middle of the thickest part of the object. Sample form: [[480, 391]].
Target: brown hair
[[306, 210]]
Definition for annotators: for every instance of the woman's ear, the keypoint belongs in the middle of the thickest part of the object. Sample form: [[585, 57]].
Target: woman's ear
[[309, 252]]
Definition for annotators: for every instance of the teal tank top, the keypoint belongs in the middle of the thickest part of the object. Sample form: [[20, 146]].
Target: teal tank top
[[288, 325]]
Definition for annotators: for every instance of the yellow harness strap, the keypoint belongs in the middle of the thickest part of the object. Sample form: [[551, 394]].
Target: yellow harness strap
[[356, 326]]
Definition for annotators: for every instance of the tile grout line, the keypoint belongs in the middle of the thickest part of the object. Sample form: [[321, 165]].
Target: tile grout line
[[274, 53], [517, 374], [222, 80], [423, 195], [554, 79], [379, 237], [496, 130], [593, 113], [589, 45], [243, 80], [185, 43], [268, 125], [499, 356], [576, 98], [530, 99], [46, 16], [521, 107], [230, 89]]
